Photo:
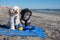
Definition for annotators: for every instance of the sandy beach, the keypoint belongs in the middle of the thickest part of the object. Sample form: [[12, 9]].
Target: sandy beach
[[49, 22], [47, 16]]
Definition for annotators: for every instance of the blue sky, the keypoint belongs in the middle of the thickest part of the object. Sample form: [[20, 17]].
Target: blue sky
[[32, 4]]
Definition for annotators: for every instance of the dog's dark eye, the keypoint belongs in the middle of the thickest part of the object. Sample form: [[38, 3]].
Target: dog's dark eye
[[13, 9]]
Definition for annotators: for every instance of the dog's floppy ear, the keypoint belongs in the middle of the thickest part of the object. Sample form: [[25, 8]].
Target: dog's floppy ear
[[22, 12], [30, 12], [9, 11]]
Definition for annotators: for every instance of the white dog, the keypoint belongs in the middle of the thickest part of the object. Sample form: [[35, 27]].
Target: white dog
[[14, 13]]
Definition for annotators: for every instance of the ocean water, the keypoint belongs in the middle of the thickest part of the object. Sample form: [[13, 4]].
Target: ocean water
[[51, 11]]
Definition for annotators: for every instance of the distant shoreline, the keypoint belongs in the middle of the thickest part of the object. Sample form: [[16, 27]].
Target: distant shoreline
[[48, 11]]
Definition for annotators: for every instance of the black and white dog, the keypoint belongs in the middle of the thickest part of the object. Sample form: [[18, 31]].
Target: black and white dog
[[25, 16]]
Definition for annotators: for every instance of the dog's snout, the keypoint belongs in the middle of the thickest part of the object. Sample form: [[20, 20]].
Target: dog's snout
[[15, 11]]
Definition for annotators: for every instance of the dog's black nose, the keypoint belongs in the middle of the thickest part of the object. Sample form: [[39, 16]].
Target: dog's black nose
[[15, 11]]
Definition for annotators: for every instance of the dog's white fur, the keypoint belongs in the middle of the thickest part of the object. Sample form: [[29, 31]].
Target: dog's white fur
[[13, 15]]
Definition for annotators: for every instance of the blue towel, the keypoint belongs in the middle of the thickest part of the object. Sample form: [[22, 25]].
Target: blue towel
[[36, 32]]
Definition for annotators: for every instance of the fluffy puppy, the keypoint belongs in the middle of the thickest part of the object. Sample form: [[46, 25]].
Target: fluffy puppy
[[25, 16], [14, 19]]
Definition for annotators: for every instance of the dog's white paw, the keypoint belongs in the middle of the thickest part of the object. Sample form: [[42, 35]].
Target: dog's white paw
[[13, 28]]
